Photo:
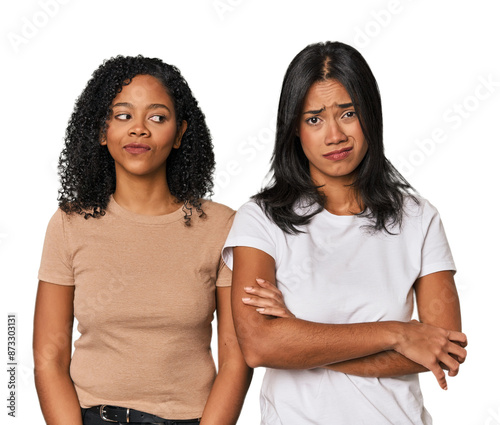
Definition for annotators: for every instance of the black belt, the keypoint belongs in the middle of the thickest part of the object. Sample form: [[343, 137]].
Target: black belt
[[115, 414]]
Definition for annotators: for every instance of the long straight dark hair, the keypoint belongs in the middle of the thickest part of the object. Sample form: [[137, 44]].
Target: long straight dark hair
[[381, 188]]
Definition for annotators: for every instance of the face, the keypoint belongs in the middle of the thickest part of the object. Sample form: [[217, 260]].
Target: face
[[330, 133], [142, 128]]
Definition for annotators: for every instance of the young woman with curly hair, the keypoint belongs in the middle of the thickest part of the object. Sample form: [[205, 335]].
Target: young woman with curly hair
[[340, 237], [133, 253]]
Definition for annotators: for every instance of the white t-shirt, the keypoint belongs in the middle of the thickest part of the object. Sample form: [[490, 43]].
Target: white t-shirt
[[337, 271]]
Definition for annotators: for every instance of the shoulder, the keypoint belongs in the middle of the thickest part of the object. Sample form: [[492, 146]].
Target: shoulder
[[63, 219], [419, 207], [250, 207], [216, 208], [421, 214], [60, 228], [252, 210], [217, 213], [74, 223], [251, 228], [252, 220]]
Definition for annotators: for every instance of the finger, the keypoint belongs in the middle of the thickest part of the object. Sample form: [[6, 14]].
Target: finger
[[443, 366], [440, 376], [260, 302], [264, 293], [450, 364], [457, 351], [267, 285], [458, 359], [264, 283], [459, 337], [257, 290], [273, 311]]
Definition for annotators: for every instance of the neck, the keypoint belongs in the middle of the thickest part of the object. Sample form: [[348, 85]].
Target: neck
[[341, 198], [141, 195]]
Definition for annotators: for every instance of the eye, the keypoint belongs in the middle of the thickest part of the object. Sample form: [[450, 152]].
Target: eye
[[123, 117], [349, 114], [313, 120], [158, 118]]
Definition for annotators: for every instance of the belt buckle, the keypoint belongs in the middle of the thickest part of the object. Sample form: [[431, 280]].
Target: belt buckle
[[104, 417]]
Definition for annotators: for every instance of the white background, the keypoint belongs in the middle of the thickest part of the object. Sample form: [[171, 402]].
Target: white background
[[438, 68]]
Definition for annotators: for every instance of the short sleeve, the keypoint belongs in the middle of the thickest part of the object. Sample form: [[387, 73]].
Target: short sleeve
[[436, 253], [251, 228], [55, 266], [224, 275]]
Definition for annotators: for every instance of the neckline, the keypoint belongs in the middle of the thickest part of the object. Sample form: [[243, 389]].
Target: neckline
[[346, 218], [118, 210]]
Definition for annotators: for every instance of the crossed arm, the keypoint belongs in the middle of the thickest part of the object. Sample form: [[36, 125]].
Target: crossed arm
[[438, 305], [365, 349]]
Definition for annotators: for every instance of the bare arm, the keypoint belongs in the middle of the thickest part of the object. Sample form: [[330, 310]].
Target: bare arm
[[438, 305], [234, 377], [297, 344], [437, 300], [268, 300], [52, 354]]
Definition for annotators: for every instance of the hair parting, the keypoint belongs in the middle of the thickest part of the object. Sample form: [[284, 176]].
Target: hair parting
[[379, 186]]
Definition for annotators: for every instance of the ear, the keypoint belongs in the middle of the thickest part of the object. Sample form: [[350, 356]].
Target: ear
[[180, 133], [103, 141]]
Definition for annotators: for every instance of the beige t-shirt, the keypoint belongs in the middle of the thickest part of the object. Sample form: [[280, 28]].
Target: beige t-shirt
[[144, 301]]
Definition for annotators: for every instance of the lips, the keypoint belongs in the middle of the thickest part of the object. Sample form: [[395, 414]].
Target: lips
[[338, 155], [136, 148]]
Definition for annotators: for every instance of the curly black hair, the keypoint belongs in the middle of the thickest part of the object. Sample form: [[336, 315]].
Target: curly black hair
[[87, 170]]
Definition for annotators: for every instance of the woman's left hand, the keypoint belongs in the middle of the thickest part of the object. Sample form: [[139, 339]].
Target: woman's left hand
[[267, 298]]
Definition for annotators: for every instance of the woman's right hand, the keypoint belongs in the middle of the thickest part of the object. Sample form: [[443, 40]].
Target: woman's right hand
[[435, 348], [268, 299]]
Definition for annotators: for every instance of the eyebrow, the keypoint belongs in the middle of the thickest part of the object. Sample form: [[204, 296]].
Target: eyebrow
[[318, 111], [129, 105]]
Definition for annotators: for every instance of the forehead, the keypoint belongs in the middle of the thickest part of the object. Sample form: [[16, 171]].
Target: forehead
[[326, 93], [143, 88]]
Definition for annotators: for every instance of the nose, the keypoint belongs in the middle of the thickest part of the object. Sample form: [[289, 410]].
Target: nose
[[139, 129], [335, 134]]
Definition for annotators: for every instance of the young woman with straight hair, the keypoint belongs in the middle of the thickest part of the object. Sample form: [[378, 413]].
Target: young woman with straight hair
[[327, 260]]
